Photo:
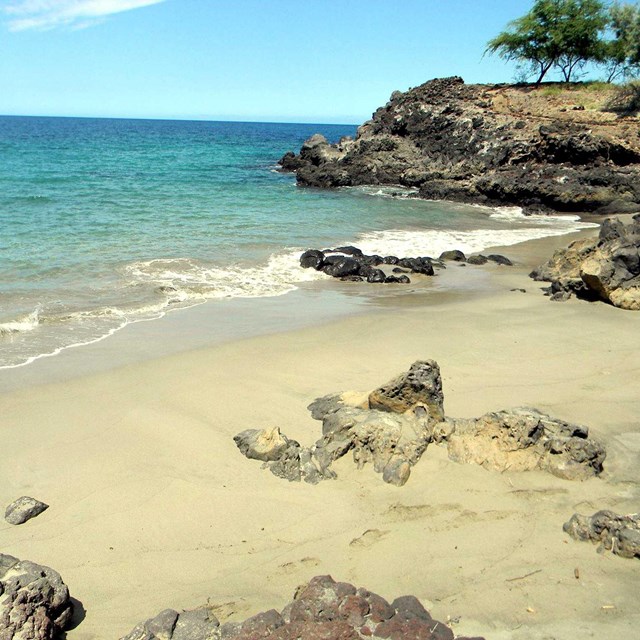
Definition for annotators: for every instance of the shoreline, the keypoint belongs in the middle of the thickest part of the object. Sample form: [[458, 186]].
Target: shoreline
[[313, 303], [152, 506]]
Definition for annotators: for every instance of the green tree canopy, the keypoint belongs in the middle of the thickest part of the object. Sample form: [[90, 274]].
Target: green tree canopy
[[556, 33], [622, 52]]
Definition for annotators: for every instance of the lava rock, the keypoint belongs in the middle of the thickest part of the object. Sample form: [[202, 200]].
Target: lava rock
[[421, 385], [23, 509], [455, 255], [616, 533], [312, 258], [524, 439], [34, 601]]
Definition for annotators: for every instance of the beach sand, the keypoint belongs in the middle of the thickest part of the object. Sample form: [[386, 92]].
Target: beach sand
[[152, 505]]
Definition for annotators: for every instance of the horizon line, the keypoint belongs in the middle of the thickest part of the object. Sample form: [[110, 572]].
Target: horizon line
[[179, 119]]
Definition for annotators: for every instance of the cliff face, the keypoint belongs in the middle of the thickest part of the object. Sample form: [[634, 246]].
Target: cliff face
[[540, 148]]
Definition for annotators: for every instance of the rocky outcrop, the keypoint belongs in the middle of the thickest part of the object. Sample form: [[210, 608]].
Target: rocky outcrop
[[613, 532], [525, 439], [392, 426], [34, 601], [322, 609], [487, 144], [352, 265], [23, 509], [603, 268]]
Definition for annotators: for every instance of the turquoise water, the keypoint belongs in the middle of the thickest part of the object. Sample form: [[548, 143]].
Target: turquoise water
[[107, 222]]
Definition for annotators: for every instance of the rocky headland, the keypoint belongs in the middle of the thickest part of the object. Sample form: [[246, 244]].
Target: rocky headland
[[550, 148]]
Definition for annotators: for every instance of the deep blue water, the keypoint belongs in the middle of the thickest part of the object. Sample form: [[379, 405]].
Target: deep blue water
[[104, 222]]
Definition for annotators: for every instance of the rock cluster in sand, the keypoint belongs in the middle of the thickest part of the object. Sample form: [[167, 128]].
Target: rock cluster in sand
[[323, 609], [392, 426]]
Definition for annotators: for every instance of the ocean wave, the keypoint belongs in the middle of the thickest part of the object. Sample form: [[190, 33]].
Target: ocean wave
[[515, 215], [21, 325], [184, 279], [432, 242]]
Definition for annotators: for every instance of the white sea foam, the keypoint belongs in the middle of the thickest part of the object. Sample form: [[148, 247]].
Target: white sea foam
[[174, 283], [20, 325], [433, 242], [184, 280], [387, 191]]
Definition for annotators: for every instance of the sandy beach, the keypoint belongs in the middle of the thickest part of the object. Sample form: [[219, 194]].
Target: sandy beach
[[152, 505]]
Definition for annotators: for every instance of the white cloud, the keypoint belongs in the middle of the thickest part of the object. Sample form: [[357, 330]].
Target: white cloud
[[76, 14]]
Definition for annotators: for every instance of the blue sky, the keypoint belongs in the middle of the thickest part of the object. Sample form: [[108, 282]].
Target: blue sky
[[269, 60]]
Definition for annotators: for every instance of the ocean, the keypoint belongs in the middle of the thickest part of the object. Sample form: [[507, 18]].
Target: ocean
[[107, 222]]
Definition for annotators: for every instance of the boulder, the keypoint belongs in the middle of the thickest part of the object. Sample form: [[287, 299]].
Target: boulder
[[34, 601], [23, 509], [421, 385], [342, 267], [500, 259], [455, 255], [616, 533], [525, 439], [605, 268], [312, 258], [479, 259]]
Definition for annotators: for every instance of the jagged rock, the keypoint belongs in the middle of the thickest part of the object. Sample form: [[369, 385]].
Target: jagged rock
[[262, 444], [34, 601], [483, 144], [23, 509], [197, 624], [392, 442], [616, 533], [604, 268], [322, 609], [421, 385], [525, 439]]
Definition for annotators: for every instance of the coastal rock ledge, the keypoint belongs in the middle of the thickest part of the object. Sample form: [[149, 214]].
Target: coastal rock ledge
[[323, 609], [603, 268], [489, 144]]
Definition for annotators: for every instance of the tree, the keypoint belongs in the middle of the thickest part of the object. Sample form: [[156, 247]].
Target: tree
[[556, 33], [622, 52]]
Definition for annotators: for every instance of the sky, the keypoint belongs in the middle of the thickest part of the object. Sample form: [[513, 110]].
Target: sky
[[320, 61]]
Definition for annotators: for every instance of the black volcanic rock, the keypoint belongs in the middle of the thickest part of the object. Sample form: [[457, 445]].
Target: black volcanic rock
[[484, 144]]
